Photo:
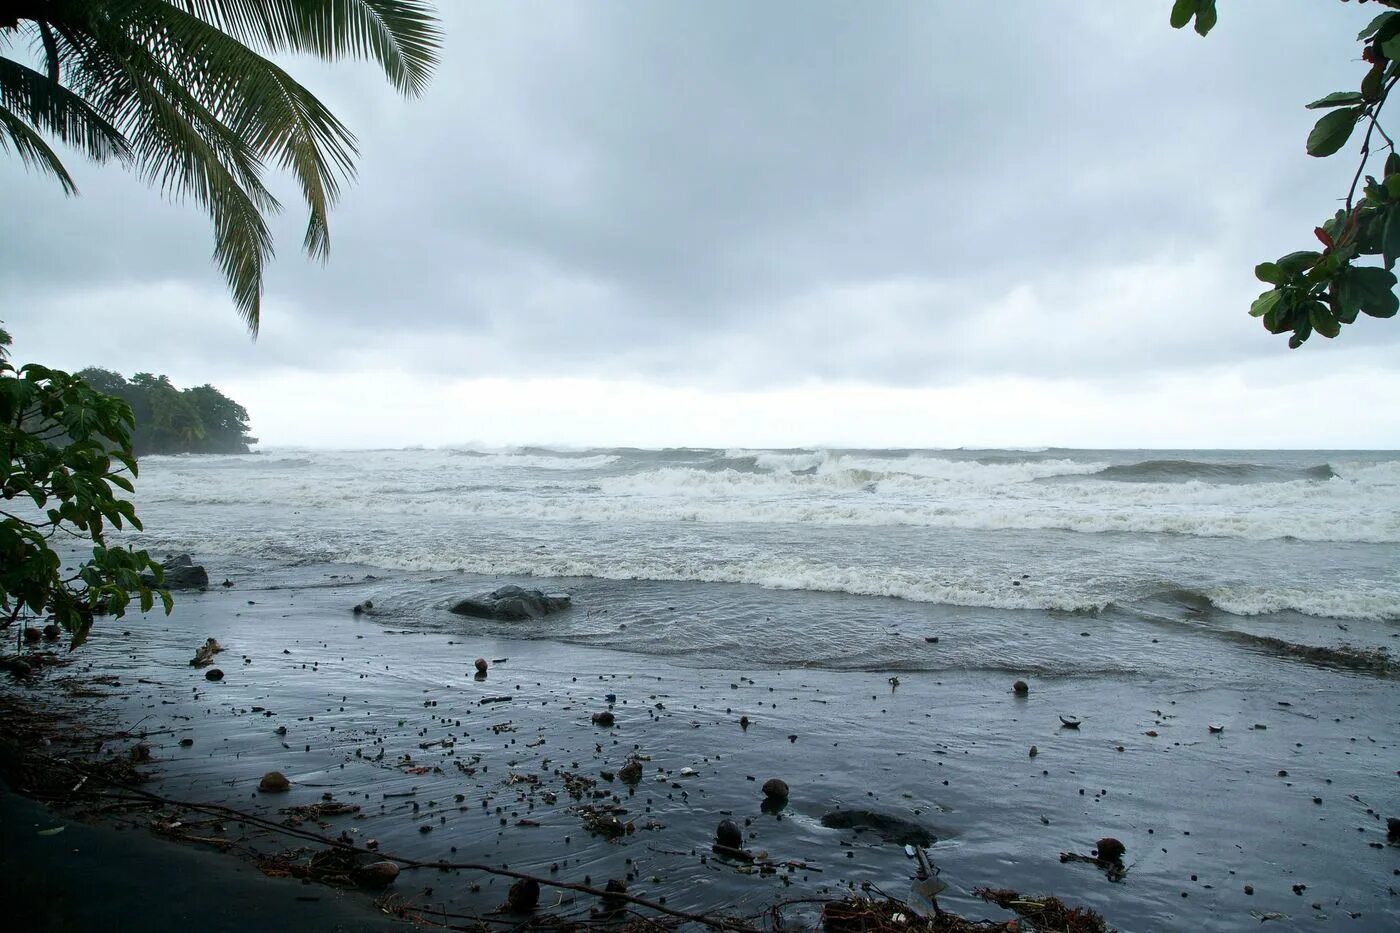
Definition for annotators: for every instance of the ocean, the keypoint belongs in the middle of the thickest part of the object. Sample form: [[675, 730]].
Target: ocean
[[843, 559], [1221, 625]]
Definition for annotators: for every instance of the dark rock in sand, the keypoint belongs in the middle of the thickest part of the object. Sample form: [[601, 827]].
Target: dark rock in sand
[[274, 782], [512, 604], [1021, 688], [1110, 849], [1392, 830], [480, 664], [611, 901], [775, 789], [523, 897], [729, 835], [213, 674], [890, 828], [181, 573], [604, 718], [376, 874]]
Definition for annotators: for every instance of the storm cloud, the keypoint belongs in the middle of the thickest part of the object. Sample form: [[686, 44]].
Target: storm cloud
[[763, 198]]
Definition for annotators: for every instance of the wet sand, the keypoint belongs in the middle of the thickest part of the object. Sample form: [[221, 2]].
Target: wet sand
[[1288, 801]]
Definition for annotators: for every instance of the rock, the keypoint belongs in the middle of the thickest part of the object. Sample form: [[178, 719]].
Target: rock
[[359, 609], [729, 835], [1034, 751], [1110, 849], [204, 654], [775, 789], [512, 604], [51, 632], [611, 901], [631, 772], [32, 635], [1069, 722], [376, 874], [480, 665], [890, 828], [181, 573], [1392, 829], [213, 674], [604, 718], [523, 896], [274, 782], [1021, 688]]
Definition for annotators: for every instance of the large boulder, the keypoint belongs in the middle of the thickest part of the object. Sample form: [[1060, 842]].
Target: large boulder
[[181, 573], [512, 604]]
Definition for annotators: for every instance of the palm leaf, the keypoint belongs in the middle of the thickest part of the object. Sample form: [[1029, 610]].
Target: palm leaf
[[31, 149], [401, 35], [51, 107]]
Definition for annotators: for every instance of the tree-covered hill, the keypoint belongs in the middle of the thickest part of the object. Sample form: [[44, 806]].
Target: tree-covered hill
[[176, 421]]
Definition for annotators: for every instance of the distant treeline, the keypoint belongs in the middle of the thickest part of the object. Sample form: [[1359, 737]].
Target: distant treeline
[[201, 420]]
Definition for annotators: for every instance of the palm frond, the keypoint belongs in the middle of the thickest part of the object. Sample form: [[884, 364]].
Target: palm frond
[[51, 107], [402, 36], [31, 149]]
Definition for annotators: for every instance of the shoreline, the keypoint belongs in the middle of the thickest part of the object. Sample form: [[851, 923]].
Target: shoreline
[[944, 750]]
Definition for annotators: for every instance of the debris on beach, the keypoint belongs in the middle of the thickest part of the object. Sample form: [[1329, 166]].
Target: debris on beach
[[213, 674], [1021, 688], [523, 897], [274, 782], [891, 828], [729, 835], [1107, 856], [775, 789], [604, 718], [1069, 722], [204, 654], [480, 665]]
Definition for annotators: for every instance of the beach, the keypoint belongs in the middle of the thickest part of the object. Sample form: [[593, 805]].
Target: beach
[[1247, 762]]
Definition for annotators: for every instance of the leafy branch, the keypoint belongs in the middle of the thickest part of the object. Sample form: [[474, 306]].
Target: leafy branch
[[1320, 291]]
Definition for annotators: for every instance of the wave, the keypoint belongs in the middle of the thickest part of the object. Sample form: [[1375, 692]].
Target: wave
[[1185, 471], [1354, 601], [533, 461]]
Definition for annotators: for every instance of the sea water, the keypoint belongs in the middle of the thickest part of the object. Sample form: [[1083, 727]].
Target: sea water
[[836, 558]]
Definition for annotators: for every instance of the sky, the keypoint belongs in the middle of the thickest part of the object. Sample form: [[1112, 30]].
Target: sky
[[906, 224]]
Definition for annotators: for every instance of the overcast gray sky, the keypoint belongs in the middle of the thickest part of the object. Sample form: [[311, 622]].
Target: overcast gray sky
[[730, 223]]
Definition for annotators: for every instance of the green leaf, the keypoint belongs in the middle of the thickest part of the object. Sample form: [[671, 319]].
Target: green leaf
[[1391, 47], [1392, 164], [1271, 273], [1390, 240], [1375, 26], [1206, 17], [1182, 11], [1320, 316], [1336, 99], [1332, 131], [1265, 303], [1299, 262], [1371, 84], [1374, 289]]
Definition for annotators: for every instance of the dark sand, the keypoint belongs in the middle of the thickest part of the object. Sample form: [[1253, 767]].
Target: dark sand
[[367, 705]]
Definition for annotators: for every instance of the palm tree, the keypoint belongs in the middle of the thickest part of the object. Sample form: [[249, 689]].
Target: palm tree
[[180, 91]]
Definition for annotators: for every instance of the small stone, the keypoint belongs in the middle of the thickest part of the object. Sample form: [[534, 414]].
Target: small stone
[[1021, 688], [729, 835], [1110, 849], [743, 722], [186, 742], [481, 665], [1249, 890], [274, 782], [1392, 829], [376, 874], [604, 718], [213, 674], [631, 772], [1034, 751], [775, 789]]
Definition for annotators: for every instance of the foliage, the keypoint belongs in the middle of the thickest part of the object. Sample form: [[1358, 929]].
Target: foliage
[[1319, 291], [178, 91], [67, 451], [176, 421]]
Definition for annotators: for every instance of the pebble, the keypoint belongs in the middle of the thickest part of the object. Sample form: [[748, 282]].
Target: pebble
[[274, 782]]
